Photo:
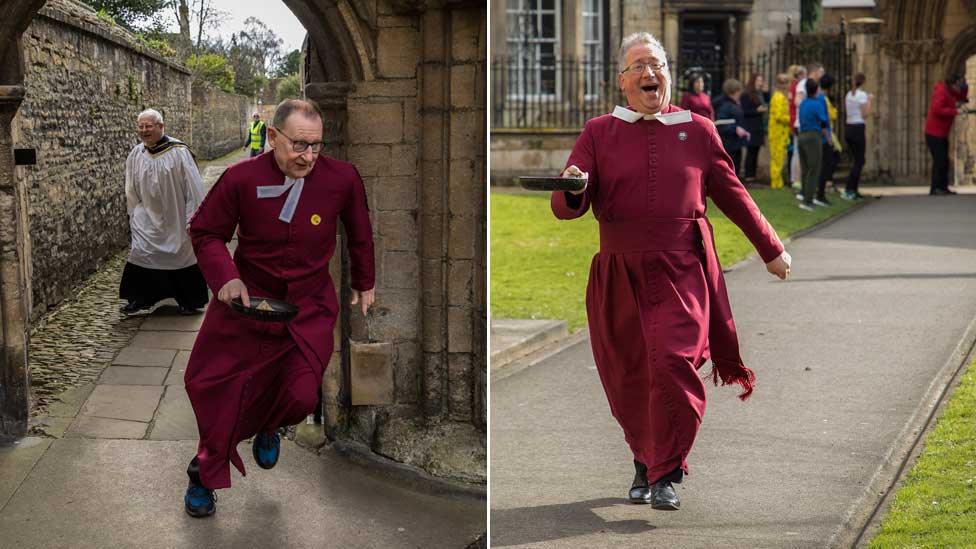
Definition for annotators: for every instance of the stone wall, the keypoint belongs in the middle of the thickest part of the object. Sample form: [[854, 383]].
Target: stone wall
[[86, 82], [521, 153], [415, 128], [219, 121]]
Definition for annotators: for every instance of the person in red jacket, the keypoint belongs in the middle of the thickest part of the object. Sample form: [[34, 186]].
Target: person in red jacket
[[943, 109], [696, 100]]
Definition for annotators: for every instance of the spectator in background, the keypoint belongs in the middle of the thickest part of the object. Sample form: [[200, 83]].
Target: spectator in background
[[257, 133], [162, 190], [695, 99], [814, 132], [831, 150], [731, 121], [943, 108], [754, 109], [779, 130], [799, 74], [858, 106]]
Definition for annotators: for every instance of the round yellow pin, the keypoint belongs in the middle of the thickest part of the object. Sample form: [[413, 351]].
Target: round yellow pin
[[316, 219]]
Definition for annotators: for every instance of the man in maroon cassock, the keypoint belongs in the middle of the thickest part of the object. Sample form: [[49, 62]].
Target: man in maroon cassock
[[247, 377], [656, 301]]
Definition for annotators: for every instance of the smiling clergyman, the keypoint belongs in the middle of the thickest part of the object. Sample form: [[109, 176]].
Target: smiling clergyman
[[656, 301]]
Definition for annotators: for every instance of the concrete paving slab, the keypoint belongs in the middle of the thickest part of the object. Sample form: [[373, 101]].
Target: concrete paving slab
[[164, 340], [69, 403], [100, 427], [175, 419], [176, 373], [176, 323], [17, 459], [844, 353], [133, 375], [134, 355], [112, 493], [128, 402]]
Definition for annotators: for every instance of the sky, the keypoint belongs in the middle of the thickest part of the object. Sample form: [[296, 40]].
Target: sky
[[273, 13]]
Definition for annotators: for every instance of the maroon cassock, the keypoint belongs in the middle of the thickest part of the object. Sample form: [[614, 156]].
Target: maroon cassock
[[245, 376], [656, 300]]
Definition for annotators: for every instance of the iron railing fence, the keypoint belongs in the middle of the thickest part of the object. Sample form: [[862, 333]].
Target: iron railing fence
[[558, 94]]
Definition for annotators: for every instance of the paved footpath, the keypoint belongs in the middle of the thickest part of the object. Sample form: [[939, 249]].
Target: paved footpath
[[111, 472], [849, 355]]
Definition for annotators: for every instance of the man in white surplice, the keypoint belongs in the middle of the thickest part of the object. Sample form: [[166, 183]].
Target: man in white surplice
[[162, 188]]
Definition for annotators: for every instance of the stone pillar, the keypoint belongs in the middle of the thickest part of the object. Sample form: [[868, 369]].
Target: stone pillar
[[671, 42], [865, 34], [14, 377]]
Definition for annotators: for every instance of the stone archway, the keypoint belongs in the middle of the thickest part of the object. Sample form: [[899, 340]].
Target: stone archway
[[328, 23], [402, 84]]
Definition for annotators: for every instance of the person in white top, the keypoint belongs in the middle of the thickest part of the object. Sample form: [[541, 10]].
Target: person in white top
[[162, 189], [858, 104]]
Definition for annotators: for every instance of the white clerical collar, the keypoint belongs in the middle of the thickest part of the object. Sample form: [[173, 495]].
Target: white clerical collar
[[668, 119], [274, 191]]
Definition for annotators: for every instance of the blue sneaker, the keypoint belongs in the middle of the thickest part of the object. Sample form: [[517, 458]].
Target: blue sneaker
[[199, 501], [266, 448]]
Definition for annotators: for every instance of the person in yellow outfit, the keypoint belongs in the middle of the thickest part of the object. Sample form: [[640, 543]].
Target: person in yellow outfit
[[779, 130]]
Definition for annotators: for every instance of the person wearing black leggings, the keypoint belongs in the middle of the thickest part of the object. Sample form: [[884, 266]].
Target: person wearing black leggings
[[858, 104]]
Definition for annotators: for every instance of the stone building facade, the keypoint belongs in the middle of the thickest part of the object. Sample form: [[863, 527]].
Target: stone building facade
[[408, 110], [403, 88], [587, 33], [903, 53]]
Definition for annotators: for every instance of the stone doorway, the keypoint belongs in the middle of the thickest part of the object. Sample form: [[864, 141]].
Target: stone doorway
[[403, 87]]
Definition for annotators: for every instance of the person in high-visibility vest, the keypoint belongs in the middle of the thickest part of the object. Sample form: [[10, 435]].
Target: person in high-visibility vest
[[256, 135]]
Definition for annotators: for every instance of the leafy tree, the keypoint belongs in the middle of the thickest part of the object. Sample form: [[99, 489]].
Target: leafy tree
[[212, 68], [289, 88], [289, 64], [810, 12], [134, 15]]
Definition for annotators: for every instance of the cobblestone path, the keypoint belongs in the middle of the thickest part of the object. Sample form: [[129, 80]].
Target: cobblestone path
[[73, 344]]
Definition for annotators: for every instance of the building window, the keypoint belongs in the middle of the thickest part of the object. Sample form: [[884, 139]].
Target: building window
[[533, 43], [593, 46]]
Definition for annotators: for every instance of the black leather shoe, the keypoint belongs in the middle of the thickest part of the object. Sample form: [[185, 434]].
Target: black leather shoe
[[663, 496], [941, 192], [134, 308], [640, 492]]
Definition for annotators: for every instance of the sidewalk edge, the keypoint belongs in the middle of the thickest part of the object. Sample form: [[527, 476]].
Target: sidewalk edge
[[543, 353], [402, 474], [864, 516]]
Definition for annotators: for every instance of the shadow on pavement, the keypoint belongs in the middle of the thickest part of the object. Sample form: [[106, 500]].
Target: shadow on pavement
[[551, 522]]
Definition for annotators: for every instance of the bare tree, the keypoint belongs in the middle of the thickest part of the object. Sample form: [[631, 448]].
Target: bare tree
[[208, 17]]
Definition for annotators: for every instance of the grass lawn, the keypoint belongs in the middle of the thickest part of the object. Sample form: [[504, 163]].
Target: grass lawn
[[936, 506], [539, 264]]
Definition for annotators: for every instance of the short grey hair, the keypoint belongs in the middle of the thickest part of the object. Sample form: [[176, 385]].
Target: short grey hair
[[636, 38], [151, 113], [308, 109]]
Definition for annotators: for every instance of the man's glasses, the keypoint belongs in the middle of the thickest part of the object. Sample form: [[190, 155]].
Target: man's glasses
[[639, 68], [301, 146]]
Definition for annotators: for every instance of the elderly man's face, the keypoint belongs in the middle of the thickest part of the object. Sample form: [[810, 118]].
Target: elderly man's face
[[646, 90], [150, 131], [298, 128]]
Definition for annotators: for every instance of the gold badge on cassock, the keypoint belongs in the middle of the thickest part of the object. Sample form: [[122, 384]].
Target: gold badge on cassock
[[316, 219]]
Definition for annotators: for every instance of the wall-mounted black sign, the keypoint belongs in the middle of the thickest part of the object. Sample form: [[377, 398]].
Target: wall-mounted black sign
[[25, 157]]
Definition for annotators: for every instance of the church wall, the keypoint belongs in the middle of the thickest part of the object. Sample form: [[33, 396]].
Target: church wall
[[86, 82], [219, 121]]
